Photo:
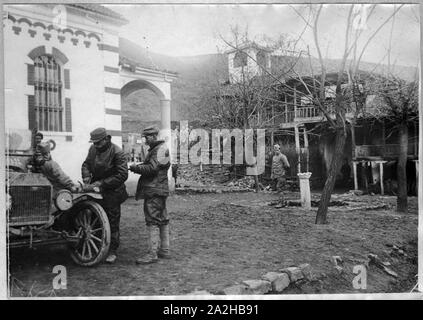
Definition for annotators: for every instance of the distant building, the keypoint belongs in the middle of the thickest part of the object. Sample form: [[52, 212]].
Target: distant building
[[290, 118]]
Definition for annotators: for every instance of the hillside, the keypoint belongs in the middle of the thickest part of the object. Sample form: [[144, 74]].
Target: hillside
[[195, 75]]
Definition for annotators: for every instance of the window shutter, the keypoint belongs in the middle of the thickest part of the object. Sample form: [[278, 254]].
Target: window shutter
[[68, 115], [67, 79], [30, 74], [31, 113]]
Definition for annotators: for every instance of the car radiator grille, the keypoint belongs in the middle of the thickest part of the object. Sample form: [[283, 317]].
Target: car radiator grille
[[30, 205]]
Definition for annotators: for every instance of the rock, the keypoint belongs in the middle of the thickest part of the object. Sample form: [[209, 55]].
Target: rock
[[294, 273], [235, 290], [357, 192], [307, 271], [279, 281], [258, 286]]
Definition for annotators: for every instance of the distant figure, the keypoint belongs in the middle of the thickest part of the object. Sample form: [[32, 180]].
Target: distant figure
[[279, 164]]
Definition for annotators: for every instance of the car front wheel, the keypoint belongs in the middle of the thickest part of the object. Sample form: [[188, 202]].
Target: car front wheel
[[92, 226]]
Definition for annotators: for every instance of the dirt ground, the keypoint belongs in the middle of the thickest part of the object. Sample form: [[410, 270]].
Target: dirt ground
[[222, 239]]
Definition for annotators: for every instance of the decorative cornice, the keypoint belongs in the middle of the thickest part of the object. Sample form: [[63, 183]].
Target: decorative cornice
[[47, 35]]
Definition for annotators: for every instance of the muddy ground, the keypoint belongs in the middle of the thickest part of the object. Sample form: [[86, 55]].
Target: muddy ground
[[222, 239]]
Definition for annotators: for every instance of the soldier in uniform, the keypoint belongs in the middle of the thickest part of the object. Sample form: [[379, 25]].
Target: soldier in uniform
[[153, 187], [43, 163], [105, 170]]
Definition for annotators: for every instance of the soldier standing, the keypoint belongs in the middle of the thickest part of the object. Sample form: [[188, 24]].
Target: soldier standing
[[153, 187]]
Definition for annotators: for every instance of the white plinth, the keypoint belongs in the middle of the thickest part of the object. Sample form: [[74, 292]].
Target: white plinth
[[305, 189]]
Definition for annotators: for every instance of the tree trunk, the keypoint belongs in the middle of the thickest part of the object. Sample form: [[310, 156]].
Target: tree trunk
[[402, 169], [335, 165]]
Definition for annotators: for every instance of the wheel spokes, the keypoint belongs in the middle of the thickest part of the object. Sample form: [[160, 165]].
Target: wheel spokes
[[94, 246], [95, 238], [84, 245], [89, 249], [92, 224], [97, 230]]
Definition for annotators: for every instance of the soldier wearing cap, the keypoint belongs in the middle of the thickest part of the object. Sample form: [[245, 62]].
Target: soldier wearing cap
[[153, 187], [105, 170]]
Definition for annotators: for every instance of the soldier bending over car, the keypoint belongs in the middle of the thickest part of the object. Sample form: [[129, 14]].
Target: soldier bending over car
[[105, 170]]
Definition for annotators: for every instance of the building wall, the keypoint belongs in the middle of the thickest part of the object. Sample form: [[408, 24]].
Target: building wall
[[251, 69], [94, 77]]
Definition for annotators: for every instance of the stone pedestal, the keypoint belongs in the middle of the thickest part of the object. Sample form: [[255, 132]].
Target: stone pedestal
[[305, 189]]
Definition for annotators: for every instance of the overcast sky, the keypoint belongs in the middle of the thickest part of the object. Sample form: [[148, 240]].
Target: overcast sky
[[184, 30]]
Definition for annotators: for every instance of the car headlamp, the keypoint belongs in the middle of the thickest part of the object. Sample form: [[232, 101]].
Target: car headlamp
[[64, 200]]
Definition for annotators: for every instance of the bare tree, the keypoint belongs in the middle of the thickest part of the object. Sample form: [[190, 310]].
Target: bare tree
[[336, 112]]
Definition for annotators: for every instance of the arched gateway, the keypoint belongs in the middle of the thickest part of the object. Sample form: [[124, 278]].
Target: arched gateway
[[134, 78]]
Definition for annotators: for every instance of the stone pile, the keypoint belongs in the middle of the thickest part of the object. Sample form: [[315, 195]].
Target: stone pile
[[270, 283]]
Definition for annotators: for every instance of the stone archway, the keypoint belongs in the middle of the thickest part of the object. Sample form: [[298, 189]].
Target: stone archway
[[134, 79]]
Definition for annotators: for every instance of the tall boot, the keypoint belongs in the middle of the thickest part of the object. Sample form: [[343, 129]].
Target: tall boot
[[164, 242], [152, 246]]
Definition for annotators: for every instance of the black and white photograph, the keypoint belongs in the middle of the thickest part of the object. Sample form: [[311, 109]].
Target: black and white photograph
[[208, 151]]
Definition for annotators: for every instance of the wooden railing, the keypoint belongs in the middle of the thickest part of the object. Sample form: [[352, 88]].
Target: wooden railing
[[307, 112], [387, 150]]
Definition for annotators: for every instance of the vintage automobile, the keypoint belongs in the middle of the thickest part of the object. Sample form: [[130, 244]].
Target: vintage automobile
[[36, 215]]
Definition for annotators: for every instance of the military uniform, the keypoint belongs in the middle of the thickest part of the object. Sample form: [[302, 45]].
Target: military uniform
[[153, 187], [107, 169], [279, 163]]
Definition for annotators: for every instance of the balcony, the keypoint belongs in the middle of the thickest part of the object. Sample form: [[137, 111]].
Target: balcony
[[387, 151]]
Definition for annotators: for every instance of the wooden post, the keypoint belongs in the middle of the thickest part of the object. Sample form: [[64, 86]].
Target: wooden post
[[364, 176], [295, 102], [306, 149], [355, 175], [272, 137], [354, 151], [297, 148], [286, 109], [382, 190], [417, 176]]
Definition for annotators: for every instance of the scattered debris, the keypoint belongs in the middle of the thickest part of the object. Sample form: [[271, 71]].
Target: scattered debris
[[378, 263], [336, 260]]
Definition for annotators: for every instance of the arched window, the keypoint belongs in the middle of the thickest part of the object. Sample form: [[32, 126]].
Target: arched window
[[240, 59], [48, 94]]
